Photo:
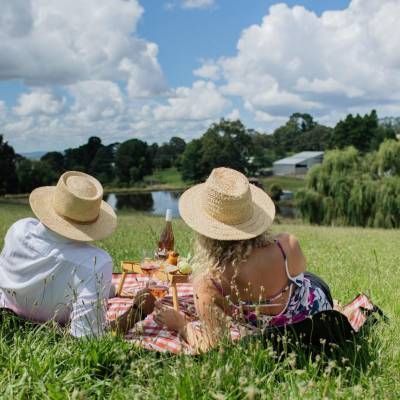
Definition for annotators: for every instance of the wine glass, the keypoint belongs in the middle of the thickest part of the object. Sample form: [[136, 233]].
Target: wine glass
[[158, 290], [149, 266]]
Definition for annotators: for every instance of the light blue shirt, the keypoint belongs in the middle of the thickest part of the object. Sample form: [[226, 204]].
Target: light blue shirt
[[44, 276]]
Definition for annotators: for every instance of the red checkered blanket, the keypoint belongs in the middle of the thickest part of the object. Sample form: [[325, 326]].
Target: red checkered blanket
[[149, 335]]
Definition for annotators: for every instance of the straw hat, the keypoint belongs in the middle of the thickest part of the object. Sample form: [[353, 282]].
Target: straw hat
[[74, 208], [227, 207]]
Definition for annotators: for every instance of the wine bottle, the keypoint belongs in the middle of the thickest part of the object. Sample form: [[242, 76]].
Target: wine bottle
[[166, 242]]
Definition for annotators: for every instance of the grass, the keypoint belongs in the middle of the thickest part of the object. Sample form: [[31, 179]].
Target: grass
[[168, 176], [285, 182], [43, 362]]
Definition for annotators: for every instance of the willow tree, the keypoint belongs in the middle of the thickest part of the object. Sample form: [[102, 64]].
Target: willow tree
[[388, 158], [350, 189]]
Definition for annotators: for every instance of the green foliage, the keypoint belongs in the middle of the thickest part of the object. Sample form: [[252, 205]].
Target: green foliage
[[168, 154], [32, 174], [345, 189], [132, 161], [388, 157], [102, 165], [55, 160], [301, 133], [364, 133], [226, 144], [8, 174], [275, 191]]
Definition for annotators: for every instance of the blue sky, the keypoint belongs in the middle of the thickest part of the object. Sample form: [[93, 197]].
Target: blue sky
[[157, 68], [187, 36]]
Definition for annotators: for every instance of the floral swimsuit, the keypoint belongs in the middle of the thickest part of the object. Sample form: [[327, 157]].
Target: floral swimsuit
[[307, 296]]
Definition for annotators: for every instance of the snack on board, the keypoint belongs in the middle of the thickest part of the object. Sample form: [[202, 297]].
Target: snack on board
[[184, 266]]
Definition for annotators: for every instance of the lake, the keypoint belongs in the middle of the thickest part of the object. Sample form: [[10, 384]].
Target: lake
[[158, 202], [155, 203]]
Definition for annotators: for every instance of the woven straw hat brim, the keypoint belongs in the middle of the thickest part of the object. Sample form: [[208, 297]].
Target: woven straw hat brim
[[201, 222], [41, 203]]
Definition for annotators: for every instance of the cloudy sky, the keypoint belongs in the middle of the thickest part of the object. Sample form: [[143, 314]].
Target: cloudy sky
[[152, 69]]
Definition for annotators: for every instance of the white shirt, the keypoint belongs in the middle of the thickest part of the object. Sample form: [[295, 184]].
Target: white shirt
[[44, 276]]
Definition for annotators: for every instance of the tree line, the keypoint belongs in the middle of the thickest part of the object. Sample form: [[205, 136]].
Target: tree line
[[226, 143]]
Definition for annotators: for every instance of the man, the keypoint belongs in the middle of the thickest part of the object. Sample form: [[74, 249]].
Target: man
[[48, 271]]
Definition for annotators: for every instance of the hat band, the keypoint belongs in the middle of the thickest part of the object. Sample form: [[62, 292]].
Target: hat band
[[74, 221]]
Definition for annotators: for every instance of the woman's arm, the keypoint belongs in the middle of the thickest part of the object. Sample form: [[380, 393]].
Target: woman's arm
[[213, 311]]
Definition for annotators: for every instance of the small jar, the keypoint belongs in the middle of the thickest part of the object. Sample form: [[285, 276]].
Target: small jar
[[172, 258]]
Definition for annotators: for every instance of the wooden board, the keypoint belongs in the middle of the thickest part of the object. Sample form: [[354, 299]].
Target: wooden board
[[133, 267]]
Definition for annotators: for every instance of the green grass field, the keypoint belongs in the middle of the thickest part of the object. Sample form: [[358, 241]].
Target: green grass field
[[285, 182], [43, 362]]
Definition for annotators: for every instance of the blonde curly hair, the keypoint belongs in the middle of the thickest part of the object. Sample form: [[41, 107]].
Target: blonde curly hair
[[213, 256]]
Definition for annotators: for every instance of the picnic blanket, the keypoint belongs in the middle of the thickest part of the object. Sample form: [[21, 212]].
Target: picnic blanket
[[151, 336]]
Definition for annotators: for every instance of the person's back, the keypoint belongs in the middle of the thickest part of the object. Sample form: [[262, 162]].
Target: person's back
[[244, 273], [48, 271], [45, 276], [263, 275]]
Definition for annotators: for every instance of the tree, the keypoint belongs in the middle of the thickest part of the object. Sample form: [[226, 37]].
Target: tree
[[33, 174], [190, 159], [345, 190], [169, 154], [132, 161], [316, 139], [225, 144], [8, 175], [364, 133], [263, 152], [55, 160], [80, 158], [301, 133], [102, 165], [388, 158]]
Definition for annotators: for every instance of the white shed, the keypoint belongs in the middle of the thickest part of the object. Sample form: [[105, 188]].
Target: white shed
[[298, 164]]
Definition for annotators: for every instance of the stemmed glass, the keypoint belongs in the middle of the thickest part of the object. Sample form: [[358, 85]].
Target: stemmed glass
[[149, 266]]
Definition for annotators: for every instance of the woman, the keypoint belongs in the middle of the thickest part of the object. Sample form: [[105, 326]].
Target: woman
[[243, 272]]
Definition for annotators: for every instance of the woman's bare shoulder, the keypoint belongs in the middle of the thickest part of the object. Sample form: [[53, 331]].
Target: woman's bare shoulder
[[292, 248]]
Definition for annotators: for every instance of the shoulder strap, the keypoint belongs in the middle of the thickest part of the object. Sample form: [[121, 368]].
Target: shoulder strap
[[286, 263], [297, 280]]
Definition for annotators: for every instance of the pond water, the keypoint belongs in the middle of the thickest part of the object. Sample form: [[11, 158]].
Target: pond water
[[155, 203], [158, 202]]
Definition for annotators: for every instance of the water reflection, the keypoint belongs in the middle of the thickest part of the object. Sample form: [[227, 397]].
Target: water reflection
[[154, 202], [158, 202]]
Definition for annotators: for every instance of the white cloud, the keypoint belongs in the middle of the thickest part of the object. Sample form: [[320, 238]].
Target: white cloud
[[209, 70], [197, 3], [233, 115], [95, 100], [298, 61], [38, 102], [200, 102], [99, 78], [3, 108], [66, 41]]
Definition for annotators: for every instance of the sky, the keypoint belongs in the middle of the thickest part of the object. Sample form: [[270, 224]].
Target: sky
[[153, 69]]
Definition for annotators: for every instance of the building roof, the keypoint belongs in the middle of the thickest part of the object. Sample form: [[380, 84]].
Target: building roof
[[299, 157]]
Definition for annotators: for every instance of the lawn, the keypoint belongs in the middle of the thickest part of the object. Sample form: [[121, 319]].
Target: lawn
[[285, 182], [45, 363]]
